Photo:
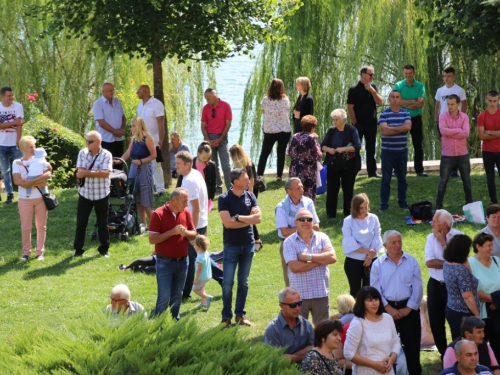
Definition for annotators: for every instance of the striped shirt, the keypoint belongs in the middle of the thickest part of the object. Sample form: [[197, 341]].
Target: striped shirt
[[315, 282], [398, 141], [95, 188]]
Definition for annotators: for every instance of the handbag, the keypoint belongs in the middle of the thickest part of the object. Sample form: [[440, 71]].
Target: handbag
[[421, 210], [261, 184], [159, 155], [50, 200], [322, 174]]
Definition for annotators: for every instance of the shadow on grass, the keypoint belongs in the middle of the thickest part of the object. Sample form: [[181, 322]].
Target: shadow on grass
[[14, 264], [59, 268]]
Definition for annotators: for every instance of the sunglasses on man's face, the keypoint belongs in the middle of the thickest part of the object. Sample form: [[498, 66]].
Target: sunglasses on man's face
[[303, 219], [213, 112], [292, 305], [89, 141]]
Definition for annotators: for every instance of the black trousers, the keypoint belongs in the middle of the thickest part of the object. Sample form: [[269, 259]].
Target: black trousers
[[116, 149], [369, 132], [492, 337], [146, 265], [409, 330], [437, 296], [417, 138], [357, 275], [82, 218], [490, 160], [334, 178], [267, 146]]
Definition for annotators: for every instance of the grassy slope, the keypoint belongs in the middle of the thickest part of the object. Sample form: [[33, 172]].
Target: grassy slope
[[61, 289]]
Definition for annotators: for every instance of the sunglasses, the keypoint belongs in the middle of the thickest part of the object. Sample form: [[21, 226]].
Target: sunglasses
[[213, 112], [371, 74], [303, 219], [292, 305], [89, 141]]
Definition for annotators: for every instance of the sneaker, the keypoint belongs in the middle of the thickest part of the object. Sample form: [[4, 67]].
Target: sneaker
[[39, 257], [454, 174], [10, 199], [160, 194], [121, 267], [24, 258], [200, 305], [209, 301], [243, 321]]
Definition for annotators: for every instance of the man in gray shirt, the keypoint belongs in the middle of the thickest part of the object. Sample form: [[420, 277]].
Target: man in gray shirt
[[289, 328]]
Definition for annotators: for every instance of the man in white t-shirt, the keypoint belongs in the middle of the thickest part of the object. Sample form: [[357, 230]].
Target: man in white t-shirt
[[194, 183], [11, 128], [442, 95], [152, 112]]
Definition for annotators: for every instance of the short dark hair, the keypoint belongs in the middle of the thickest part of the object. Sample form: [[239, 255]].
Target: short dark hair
[[4, 90], [323, 329], [236, 173], [492, 209], [493, 93], [450, 70], [364, 69], [469, 323], [454, 96], [394, 90], [409, 66], [480, 239], [185, 156], [308, 123], [458, 249], [210, 91], [367, 292]]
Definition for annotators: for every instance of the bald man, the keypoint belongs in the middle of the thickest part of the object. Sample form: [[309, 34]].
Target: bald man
[[152, 112], [110, 121]]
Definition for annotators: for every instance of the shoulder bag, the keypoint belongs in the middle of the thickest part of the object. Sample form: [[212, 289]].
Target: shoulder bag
[[50, 200]]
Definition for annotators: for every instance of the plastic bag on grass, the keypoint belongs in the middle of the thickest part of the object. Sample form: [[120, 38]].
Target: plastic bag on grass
[[474, 212]]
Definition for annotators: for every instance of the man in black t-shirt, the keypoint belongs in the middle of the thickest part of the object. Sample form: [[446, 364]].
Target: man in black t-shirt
[[362, 101]]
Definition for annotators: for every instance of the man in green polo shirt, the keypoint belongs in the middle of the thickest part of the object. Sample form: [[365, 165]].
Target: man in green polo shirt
[[412, 99]]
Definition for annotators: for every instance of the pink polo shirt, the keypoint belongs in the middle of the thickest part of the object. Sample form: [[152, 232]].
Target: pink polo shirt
[[216, 125], [454, 137]]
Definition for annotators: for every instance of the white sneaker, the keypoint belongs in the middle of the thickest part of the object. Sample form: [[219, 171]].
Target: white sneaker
[[25, 258], [39, 257]]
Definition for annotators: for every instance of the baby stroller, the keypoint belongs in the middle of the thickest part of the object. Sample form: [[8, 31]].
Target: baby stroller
[[122, 217]]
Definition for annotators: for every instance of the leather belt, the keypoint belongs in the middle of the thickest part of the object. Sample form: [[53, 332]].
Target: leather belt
[[163, 257]]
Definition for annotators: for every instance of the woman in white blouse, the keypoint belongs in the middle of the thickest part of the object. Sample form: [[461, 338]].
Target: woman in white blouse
[[372, 343], [276, 127], [361, 243]]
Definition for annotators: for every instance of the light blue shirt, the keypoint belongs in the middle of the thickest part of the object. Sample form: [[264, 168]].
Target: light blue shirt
[[182, 147], [286, 211], [206, 267], [111, 114], [397, 282]]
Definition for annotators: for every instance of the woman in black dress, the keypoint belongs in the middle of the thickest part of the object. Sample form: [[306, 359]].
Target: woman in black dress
[[305, 103]]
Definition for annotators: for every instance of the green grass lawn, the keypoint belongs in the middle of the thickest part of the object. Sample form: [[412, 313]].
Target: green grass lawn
[[61, 289]]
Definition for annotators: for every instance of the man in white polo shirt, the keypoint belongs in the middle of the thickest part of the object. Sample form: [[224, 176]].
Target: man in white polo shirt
[[152, 112], [11, 128]]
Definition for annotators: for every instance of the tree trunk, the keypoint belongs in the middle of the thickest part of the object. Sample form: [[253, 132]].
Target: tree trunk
[[158, 94]]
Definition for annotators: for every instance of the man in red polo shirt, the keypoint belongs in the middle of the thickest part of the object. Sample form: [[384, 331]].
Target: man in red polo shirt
[[215, 123], [170, 230]]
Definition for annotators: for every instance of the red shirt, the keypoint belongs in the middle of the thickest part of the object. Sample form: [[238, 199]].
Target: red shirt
[[490, 122], [216, 125], [162, 220], [343, 336]]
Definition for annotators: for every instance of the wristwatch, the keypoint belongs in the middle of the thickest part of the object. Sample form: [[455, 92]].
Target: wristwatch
[[237, 217], [309, 258]]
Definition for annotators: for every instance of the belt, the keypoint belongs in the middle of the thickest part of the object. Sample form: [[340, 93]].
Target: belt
[[171, 259], [398, 304], [438, 281]]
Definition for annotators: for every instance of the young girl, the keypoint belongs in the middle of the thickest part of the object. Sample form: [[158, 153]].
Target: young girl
[[203, 270]]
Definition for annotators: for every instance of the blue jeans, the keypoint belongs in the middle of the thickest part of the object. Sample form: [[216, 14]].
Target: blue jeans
[[170, 277], [448, 163], [6, 153], [393, 160], [242, 257]]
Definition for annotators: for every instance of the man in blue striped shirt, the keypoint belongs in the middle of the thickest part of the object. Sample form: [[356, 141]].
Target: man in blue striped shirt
[[395, 123]]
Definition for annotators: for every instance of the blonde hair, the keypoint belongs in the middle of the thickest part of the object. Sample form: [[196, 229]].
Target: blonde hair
[[141, 131], [27, 139], [202, 242], [305, 83], [345, 303], [240, 158], [356, 202]]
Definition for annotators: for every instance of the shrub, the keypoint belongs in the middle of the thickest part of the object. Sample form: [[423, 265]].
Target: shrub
[[96, 345], [62, 146]]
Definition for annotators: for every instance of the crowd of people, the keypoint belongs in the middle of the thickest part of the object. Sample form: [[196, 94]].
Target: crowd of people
[[379, 325]]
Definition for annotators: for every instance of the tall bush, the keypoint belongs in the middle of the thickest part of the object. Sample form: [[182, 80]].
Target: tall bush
[[62, 146]]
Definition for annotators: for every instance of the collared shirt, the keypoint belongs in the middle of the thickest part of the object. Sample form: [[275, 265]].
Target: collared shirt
[[111, 114], [279, 334], [434, 250], [397, 282], [286, 211], [361, 233], [149, 111], [480, 370], [235, 205], [216, 125], [396, 142], [315, 282], [95, 188], [133, 308], [182, 147], [365, 107], [415, 91], [454, 137]]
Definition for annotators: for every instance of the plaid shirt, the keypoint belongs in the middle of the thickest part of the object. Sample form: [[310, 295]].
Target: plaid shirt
[[95, 188], [315, 282]]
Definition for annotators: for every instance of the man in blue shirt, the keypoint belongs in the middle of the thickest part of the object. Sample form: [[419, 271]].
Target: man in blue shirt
[[394, 122], [467, 361], [239, 211]]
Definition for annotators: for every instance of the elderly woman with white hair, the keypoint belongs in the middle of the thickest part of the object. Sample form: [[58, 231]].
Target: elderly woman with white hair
[[342, 145]]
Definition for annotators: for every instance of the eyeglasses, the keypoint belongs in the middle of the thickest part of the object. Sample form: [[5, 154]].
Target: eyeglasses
[[89, 141], [117, 300], [292, 305], [303, 219], [213, 112]]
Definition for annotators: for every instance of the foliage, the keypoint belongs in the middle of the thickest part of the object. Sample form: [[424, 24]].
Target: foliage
[[62, 146]]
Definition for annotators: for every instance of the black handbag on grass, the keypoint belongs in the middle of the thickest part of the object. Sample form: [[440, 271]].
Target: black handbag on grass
[[421, 210]]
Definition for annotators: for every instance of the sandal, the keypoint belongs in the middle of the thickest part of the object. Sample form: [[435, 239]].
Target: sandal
[[258, 245]]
